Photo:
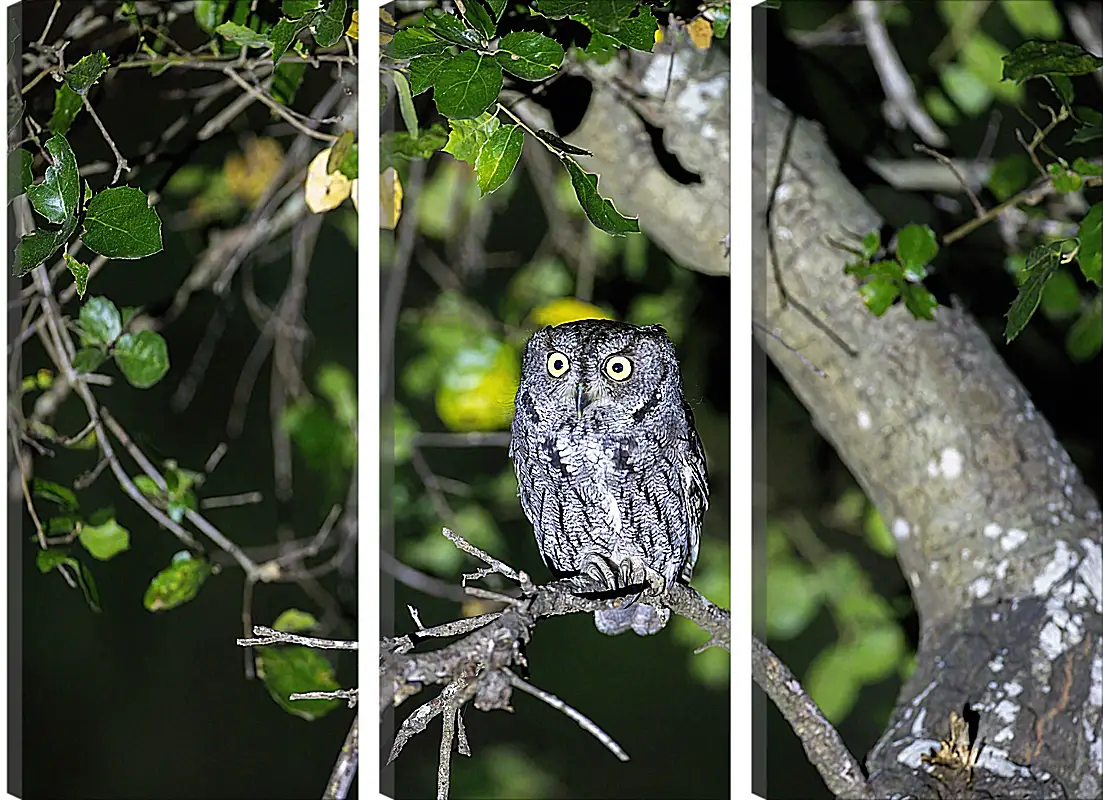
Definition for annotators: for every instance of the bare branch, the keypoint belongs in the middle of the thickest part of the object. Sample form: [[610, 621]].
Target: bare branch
[[839, 769]]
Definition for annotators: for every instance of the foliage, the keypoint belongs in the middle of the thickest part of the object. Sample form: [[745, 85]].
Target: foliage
[[456, 56], [1014, 180]]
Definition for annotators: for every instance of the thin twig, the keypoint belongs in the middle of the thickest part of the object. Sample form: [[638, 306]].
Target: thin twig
[[120, 162], [494, 564], [340, 779], [581, 719], [278, 108], [977, 205], [267, 636]]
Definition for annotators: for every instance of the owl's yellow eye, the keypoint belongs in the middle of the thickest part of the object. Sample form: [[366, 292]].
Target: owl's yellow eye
[[558, 364], [618, 368]]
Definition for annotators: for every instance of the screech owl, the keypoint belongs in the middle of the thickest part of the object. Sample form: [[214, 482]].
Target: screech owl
[[610, 469]]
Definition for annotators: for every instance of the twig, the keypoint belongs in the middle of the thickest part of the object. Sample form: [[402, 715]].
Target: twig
[[278, 108], [120, 162], [825, 748], [494, 564], [894, 78], [340, 779], [49, 23], [396, 280], [337, 694], [583, 721], [267, 636], [977, 206]]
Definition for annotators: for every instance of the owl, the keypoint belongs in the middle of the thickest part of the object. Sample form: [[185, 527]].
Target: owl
[[610, 469]]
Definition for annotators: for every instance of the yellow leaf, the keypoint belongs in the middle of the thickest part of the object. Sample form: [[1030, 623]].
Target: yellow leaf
[[325, 190], [247, 174], [658, 35], [390, 199], [354, 27], [356, 194], [700, 32], [565, 309]]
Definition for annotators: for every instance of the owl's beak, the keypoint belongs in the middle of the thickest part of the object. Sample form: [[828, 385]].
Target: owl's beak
[[581, 399]]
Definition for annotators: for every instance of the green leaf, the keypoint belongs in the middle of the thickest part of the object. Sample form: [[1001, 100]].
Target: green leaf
[[55, 493], [1085, 337], [1041, 264], [498, 157], [350, 164], [67, 104], [294, 621], [405, 429], [1091, 127], [80, 274], [99, 322], [451, 28], [298, 8], [240, 35], [406, 102], [143, 358], [286, 670], [497, 8], [423, 71], [1090, 254], [1009, 175], [336, 384], [147, 486], [330, 26], [1062, 87], [286, 81], [916, 246], [402, 145], [877, 651], [467, 138], [602, 48], [638, 32], [410, 42], [88, 359], [1061, 297], [1034, 18], [1032, 59], [971, 94], [880, 293], [984, 56], [209, 13], [61, 526], [57, 558], [176, 584], [281, 36], [56, 198], [467, 85], [721, 21], [528, 55], [1086, 168], [83, 75], [598, 210], [920, 302], [37, 246], [120, 224], [105, 541], [792, 599], [20, 178], [1064, 180], [475, 16], [831, 681]]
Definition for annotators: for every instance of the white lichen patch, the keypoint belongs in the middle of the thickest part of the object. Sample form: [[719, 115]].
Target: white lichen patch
[[980, 588], [951, 463], [1013, 538], [912, 755], [900, 528], [865, 422], [1001, 569], [1091, 571], [996, 664], [1006, 711], [1004, 735], [1063, 560], [1013, 688], [917, 723], [932, 469], [698, 99], [995, 759], [992, 530]]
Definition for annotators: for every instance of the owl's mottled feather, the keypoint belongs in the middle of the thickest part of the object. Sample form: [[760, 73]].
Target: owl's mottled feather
[[611, 472]]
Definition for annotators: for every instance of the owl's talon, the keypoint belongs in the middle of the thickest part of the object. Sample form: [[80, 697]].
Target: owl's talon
[[596, 568], [634, 571]]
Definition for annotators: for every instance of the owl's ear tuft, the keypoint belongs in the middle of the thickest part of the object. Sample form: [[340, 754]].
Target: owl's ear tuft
[[656, 329]]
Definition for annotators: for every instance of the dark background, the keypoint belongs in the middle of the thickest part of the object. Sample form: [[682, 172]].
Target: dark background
[[129, 704]]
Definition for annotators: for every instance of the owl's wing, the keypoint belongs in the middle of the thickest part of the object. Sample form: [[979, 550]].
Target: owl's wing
[[522, 449], [695, 490]]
